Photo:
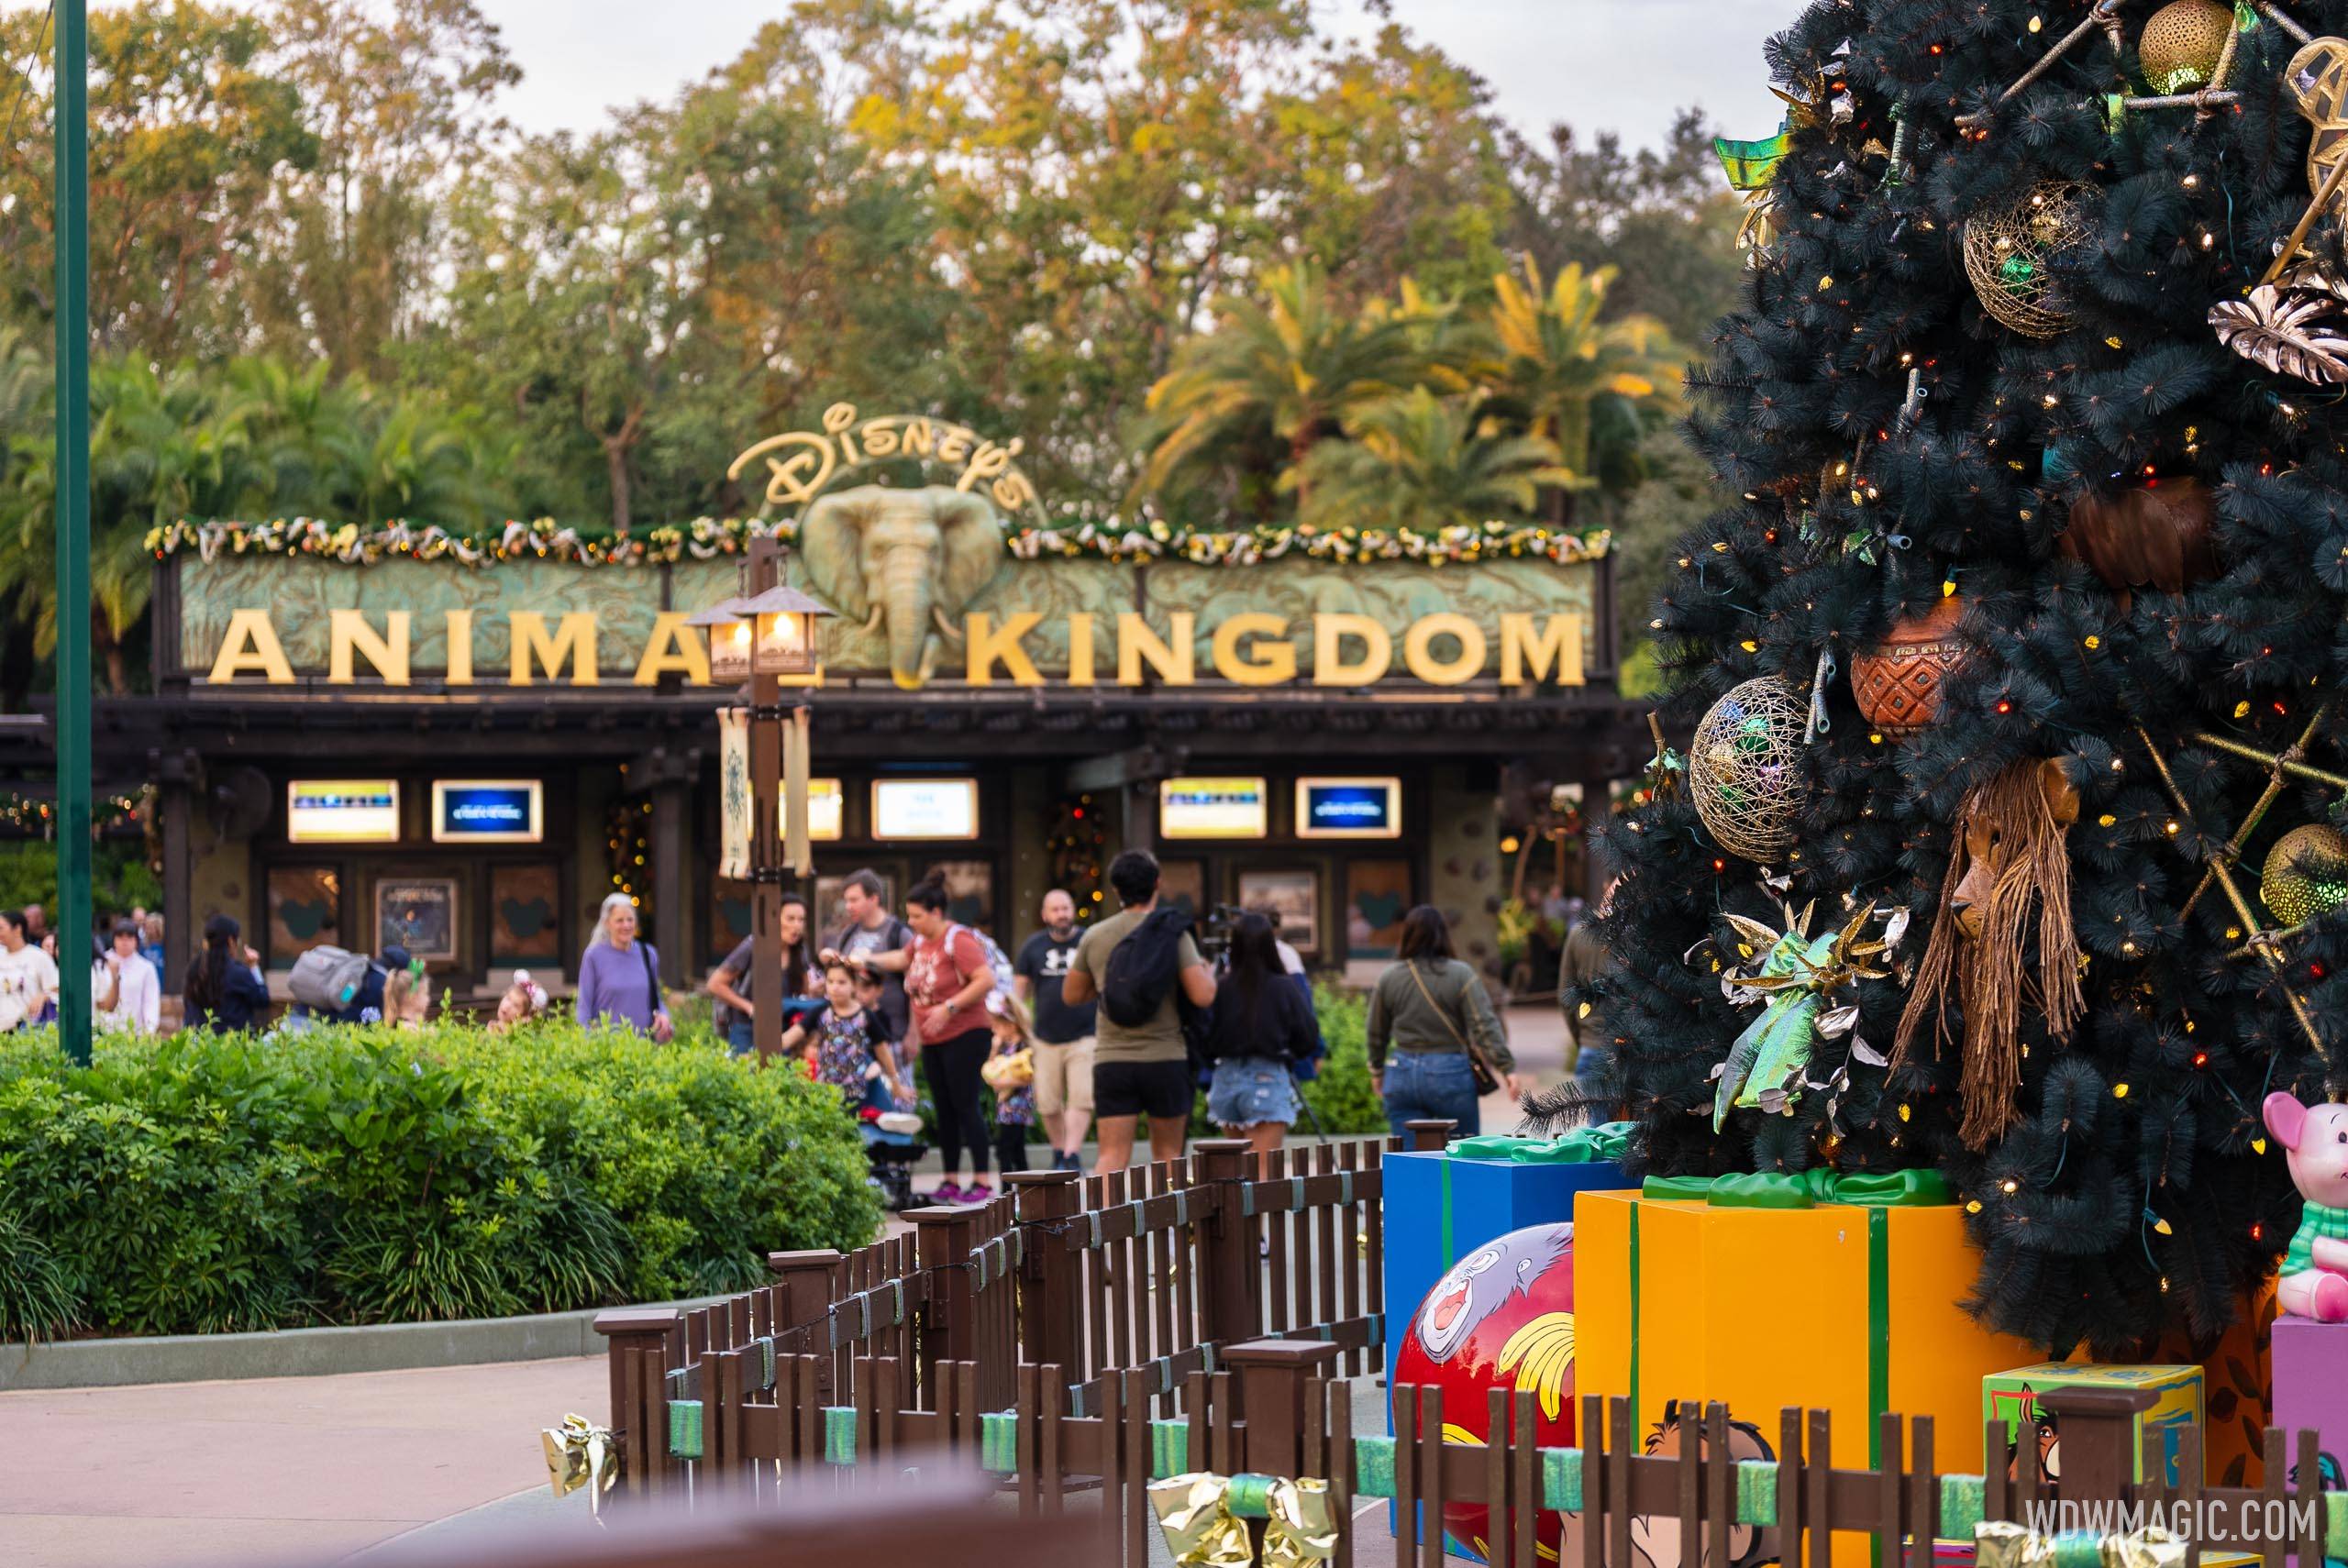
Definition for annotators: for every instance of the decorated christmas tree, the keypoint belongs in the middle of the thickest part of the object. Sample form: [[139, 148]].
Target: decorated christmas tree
[[2006, 845]]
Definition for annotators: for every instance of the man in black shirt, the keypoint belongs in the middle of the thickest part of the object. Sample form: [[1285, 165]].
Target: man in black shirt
[[1064, 1064]]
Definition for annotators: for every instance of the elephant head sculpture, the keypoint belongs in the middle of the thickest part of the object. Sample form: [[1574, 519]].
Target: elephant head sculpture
[[905, 559]]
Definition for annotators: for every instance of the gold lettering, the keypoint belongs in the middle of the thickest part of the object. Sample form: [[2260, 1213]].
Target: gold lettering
[[1079, 648], [954, 444], [1329, 634], [348, 632], [1013, 491], [673, 649], [989, 645], [573, 643], [250, 644], [836, 420], [1418, 644], [1175, 659], [990, 461], [879, 438], [920, 438], [1266, 664], [1530, 655], [459, 623]]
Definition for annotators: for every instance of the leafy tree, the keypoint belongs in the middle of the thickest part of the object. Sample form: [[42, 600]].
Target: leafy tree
[[1423, 461]]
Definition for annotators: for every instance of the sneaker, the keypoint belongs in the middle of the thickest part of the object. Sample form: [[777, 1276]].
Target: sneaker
[[901, 1122], [946, 1194], [978, 1192], [1067, 1162]]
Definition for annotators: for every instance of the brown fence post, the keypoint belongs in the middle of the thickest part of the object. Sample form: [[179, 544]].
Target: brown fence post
[[1050, 1332], [1276, 1378], [949, 1323], [1431, 1136], [1231, 1294], [806, 1282], [2100, 1444], [639, 1400]]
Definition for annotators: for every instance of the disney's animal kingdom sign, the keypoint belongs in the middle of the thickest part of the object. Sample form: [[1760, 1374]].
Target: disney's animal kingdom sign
[[803, 463]]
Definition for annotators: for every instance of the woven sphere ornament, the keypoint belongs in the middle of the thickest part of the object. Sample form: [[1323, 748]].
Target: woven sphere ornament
[[1745, 769], [2008, 257], [2179, 47], [2306, 874]]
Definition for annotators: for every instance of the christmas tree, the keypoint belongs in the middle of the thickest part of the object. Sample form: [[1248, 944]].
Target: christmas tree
[[2082, 549]]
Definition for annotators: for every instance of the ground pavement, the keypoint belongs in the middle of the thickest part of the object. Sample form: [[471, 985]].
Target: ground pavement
[[310, 1470]]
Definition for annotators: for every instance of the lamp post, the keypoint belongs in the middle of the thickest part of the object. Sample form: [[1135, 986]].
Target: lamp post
[[768, 638]]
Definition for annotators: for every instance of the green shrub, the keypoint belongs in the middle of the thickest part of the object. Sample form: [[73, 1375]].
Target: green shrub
[[203, 1183]]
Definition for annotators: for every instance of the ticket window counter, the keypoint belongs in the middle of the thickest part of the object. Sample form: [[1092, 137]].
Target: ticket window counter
[[1329, 857], [904, 829], [466, 874]]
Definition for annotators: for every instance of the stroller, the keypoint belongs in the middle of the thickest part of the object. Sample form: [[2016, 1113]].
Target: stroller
[[892, 1143]]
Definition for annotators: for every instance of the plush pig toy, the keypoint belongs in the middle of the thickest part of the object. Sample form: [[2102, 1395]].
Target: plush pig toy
[[2315, 1271]]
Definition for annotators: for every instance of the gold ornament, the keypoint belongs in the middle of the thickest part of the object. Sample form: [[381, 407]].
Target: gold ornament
[[1745, 769], [2291, 326], [2179, 47], [2008, 257], [2318, 77], [2306, 874]]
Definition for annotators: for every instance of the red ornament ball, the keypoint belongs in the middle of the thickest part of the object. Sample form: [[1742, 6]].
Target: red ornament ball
[[1503, 1318]]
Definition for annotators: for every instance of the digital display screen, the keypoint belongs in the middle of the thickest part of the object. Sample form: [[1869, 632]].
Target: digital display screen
[[924, 808], [1350, 808], [342, 811], [488, 811], [1213, 807]]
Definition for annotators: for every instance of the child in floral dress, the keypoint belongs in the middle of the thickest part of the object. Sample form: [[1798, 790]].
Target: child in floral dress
[[1010, 1072], [844, 1041]]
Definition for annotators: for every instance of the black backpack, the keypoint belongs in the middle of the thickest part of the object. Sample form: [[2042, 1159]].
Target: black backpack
[[1144, 968]]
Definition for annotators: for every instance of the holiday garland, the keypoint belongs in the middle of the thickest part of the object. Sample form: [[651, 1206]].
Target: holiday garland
[[705, 538]]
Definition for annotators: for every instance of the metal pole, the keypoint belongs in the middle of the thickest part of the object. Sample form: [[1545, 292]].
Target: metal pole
[[766, 832], [74, 527]]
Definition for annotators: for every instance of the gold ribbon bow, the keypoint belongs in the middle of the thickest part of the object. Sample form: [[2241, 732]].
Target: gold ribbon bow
[[580, 1453], [1205, 1518], [2000, 1544]]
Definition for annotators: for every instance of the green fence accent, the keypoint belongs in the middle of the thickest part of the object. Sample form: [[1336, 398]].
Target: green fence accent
[[1250, 1497], [684, 1428], [840, 1434], [2336, 1524], [1373, 1466], [1170, 1448], [1561, 1479], [999, 1442], [1756, 1492], [1963, 1497]]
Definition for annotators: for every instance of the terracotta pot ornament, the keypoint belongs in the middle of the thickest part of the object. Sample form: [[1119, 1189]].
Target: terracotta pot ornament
[[2154, 535], [1897, 683], [2012, 852]]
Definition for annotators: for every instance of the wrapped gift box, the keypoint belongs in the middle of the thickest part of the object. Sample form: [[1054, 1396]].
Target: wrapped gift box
[[1841, 1297], [2312, 1385], [2011, 1398]]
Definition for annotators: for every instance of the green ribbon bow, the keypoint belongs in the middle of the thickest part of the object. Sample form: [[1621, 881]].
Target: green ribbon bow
[[1751, 165], [1772, 1057], [580, 1453], [1204, 1519], [1582, 1146], [1805, 1189]]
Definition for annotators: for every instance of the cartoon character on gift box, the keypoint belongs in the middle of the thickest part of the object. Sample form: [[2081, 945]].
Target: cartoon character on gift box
[[1503, 1318], [1655, 1537], [2037, 1424], [2315, 1270]]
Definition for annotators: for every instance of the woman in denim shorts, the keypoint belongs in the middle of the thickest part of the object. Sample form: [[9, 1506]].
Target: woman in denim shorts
[[1262, 1025]]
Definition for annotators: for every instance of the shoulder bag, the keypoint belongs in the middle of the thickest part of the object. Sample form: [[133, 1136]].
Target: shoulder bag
[[1487, 1080]]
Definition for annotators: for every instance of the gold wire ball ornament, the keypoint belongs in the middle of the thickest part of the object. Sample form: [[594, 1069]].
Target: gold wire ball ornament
[[1745, 769], [2179, 47], [2008, 257], [2306, 874], [2318, 78]]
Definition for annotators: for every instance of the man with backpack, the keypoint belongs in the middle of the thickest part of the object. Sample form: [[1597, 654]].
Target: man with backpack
[[1144, 967]]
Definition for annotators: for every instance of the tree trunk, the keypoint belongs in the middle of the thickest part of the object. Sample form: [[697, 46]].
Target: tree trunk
[[616, 455], [117, 668]]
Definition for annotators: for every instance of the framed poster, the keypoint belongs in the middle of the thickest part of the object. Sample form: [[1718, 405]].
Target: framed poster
[[1213, 807], [734, 824], [305, 911], [524, 914], [924, 808], [1377, 895], [488, 811], [1182, 885], [1292, 897], [1350, 808], [970, 891], [418, 913]]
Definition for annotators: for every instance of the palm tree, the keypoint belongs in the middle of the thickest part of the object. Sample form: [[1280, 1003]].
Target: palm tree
[[1423, 461], [1558, 369], [1291, 366]]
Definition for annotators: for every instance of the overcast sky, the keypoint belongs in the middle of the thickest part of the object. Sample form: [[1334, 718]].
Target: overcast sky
[[1597, 65]]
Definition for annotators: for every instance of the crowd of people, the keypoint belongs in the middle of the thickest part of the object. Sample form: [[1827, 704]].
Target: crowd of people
[[126, 972]]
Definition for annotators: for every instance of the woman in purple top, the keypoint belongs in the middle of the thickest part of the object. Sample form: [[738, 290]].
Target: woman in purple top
[[619, 977]]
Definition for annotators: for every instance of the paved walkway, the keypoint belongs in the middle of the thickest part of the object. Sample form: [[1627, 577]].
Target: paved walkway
[[294, 1469]]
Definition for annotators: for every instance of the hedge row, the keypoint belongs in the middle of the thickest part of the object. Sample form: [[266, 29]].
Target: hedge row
[[201, 1184]]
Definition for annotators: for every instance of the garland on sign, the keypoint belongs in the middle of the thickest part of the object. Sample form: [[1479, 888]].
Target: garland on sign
[[705, 538], [21, 815]]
